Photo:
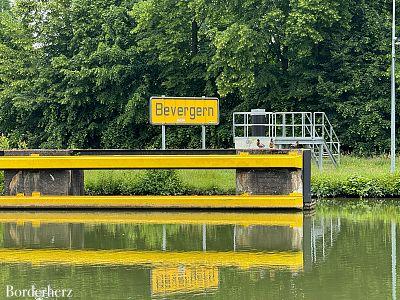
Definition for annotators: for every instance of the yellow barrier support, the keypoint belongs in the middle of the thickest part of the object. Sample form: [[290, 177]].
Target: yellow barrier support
[[243, 260], [294, 200], [196, 218], [290, 160]]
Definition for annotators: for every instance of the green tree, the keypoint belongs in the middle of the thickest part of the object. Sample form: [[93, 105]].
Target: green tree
[[80, 73]]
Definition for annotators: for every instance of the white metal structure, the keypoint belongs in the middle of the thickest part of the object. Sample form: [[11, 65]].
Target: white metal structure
[[287, 130]]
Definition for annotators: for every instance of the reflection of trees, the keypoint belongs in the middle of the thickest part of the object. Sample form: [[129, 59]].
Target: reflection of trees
[[142, 236], [43, 236], [181, 237]]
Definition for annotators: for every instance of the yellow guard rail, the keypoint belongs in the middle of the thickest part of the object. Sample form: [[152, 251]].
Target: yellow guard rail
[[243, 160]]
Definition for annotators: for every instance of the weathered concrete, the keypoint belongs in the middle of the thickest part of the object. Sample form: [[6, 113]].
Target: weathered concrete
[[269, 181], [47, 182]]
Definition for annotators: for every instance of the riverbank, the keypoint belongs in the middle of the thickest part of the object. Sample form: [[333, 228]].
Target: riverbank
[[356, 177]]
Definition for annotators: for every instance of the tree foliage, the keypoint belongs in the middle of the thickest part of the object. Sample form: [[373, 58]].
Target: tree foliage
[[80, 73]]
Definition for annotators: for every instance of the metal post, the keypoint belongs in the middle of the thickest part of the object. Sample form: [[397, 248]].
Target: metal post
[[234, 238], [203, 137], [163, 137], [164, 237], [314, 241], [394, 273], [323, 237], [393, 96], [233, 126], [320, 156], [204, 237], [283, 125], [313, 125], [247, 125], [293, 129]]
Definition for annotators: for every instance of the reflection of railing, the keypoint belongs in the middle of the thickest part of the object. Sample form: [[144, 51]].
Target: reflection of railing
[[183, 279], [313, 130], [243, 260], [324, 231]]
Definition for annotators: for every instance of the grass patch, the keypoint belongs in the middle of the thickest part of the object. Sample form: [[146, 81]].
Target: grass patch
[[209, 182], [159, 182], [356, 177]]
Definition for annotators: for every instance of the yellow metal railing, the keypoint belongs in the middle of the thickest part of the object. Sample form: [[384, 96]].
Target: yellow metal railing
[[294, 200], [292, 159]]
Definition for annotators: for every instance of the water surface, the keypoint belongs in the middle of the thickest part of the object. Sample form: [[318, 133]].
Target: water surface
[[348, 252]]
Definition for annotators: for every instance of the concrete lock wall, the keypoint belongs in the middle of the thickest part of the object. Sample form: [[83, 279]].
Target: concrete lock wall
[[271, 181], [47, 182]]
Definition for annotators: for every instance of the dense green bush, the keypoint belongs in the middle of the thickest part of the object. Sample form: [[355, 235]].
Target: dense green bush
[[152, 182], [159, 182], [356, 186], [149, 182]]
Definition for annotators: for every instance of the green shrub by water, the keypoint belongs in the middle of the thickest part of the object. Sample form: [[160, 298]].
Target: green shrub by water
[[356, 186], [356, 177]]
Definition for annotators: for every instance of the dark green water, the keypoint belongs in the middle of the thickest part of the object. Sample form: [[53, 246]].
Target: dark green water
[[346, 253]]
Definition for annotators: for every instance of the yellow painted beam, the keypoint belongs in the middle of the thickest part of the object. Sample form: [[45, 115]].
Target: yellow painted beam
[[294, 200], [196, 218], [291, 160], [244, 260]]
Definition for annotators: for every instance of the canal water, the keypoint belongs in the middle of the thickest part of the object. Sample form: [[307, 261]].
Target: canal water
[[346, 249]]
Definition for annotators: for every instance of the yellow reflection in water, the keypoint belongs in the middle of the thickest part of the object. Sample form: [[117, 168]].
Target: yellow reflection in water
[[183, 279], [211, 218], [244, 260]]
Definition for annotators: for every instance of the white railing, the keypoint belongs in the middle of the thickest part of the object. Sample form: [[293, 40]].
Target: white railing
[[312, 129]]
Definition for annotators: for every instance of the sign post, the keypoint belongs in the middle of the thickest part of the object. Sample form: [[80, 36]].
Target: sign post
[[163, 137], [203, 137], [184, 111]]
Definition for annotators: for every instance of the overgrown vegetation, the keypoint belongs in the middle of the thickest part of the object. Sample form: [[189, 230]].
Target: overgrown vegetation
[[160, 182], [357, 177], [79, 73]]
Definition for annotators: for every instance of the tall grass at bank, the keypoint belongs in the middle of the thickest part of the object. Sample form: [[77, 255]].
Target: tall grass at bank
[[356, 177], [123, 182], [159, 182]]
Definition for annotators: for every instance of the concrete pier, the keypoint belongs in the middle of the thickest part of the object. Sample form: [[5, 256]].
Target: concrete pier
[[276, 181], [47, 182], [272, 181]]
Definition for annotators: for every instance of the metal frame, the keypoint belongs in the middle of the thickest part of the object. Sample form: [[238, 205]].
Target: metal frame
[[310, 129]]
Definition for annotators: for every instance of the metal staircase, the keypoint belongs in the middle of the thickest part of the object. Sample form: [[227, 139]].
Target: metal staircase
[[288, 130]]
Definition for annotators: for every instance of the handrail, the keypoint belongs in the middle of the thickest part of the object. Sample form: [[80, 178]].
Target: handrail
[[308, 127]]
